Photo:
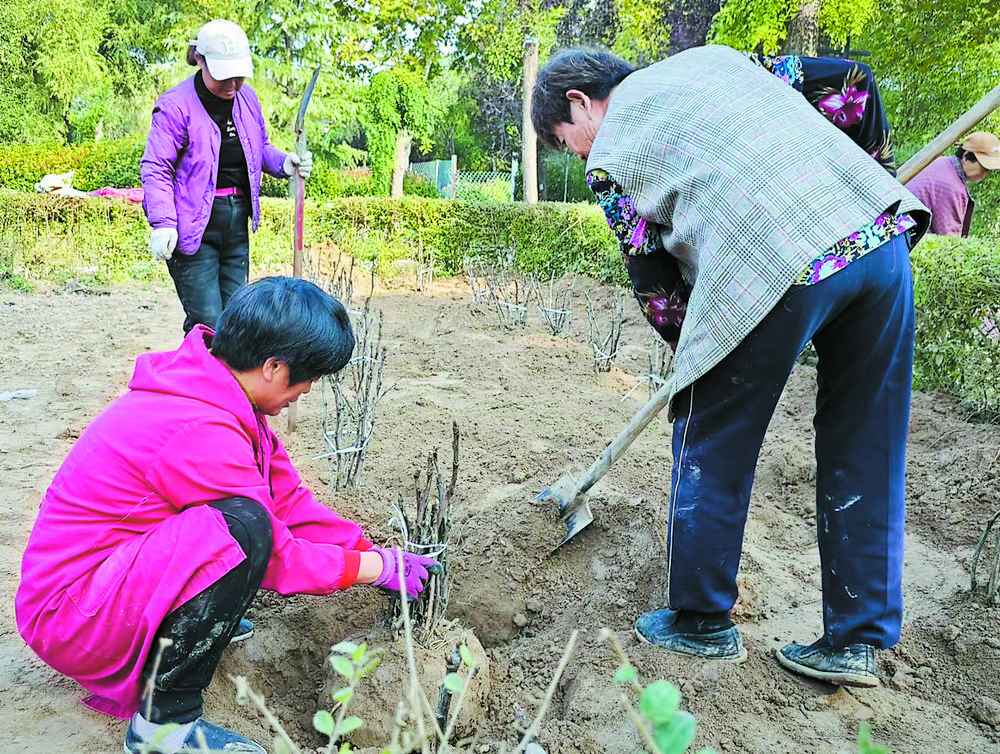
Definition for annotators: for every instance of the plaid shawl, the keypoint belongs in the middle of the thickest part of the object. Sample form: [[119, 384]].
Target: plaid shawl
[[746, 182]]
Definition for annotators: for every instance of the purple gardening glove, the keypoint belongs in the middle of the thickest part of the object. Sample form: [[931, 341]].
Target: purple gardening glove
[[416, 570]]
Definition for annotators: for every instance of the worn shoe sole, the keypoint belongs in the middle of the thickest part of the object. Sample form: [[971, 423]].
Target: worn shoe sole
[[218, 740], [244, 632], [732, 659], [837, 678]]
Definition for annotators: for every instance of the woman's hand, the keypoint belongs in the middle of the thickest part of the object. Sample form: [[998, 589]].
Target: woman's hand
[[304, 164], [162, 242], [416, 570]]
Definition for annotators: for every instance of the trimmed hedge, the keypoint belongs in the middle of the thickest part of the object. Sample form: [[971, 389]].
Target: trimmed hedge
[[97, 164], [957, 291], [116, 163], [49, 237], [957, 281]]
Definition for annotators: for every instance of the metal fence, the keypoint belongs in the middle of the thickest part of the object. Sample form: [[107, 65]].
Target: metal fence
[[452, 183]]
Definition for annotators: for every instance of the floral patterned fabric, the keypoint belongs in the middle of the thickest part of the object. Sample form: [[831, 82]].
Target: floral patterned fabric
[[846, 93], [656, 278], [885, 227]]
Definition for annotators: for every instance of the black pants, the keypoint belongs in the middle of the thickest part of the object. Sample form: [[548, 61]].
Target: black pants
[[206, 279], [202, 627]]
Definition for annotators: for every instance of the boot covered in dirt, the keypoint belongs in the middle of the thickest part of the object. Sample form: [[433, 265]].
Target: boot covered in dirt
[[680, 632], [853, 665]]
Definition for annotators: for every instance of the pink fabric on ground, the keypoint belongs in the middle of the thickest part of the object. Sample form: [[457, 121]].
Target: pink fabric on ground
[[129, 194]]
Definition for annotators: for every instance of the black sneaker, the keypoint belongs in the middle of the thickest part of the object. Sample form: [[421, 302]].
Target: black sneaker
[[853, 665], [658, 627], [244, 632], [216, 739]]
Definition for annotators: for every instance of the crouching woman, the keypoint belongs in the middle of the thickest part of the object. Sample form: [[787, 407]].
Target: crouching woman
[[178, 503]]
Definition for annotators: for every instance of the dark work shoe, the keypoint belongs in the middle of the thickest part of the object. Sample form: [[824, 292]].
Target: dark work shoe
[[853, 665], [244, 632], [659, 627], [216, 739]]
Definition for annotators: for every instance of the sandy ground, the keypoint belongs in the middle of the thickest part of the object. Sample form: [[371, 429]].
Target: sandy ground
[[529, 406]]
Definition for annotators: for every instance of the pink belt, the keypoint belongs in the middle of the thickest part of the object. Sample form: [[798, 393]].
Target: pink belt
[[232, 191]]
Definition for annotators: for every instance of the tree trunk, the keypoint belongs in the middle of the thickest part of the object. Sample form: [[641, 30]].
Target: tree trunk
[[803, 31], [689, 22], [529, 140], [400, 164]]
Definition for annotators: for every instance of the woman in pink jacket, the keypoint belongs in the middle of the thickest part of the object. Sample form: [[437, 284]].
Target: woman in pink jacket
[[178, 502], [206, 152]]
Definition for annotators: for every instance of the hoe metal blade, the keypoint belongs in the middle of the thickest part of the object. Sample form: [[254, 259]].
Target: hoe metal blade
[[573, 506]]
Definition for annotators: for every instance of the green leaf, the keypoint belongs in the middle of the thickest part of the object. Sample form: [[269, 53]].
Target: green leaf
[[453, 682], [343, 666], [323, 722], [344, 648], [349, 724], [359, 653], [625, 674], [659, 701], [343, 696], [466, 656], [163, 731], [675, 736]]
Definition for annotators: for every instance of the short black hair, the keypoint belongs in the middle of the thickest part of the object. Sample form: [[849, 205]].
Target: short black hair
[[963, 154], [287, 319], [594, 72]]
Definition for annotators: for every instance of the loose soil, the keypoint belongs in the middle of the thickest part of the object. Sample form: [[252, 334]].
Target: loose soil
[[529, 406]]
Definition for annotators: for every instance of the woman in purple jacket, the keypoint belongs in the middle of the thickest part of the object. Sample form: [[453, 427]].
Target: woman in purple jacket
[[201, 172]]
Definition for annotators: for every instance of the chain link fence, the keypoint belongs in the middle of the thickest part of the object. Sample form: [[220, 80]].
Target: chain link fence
[[483, 186]]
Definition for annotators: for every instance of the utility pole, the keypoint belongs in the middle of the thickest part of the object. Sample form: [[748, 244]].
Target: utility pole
[[529, 141]]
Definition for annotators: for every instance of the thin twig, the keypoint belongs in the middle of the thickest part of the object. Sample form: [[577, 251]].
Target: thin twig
[[416, 690], [242, 687]]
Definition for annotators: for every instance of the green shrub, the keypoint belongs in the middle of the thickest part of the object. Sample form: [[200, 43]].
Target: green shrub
[[47, 237], [418, 185], [23, 165], [110, 163], [326, 183], [957, 291], [97, 164]]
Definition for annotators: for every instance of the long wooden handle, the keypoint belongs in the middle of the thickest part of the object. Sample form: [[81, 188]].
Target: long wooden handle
[[950, 135], [620, 444]]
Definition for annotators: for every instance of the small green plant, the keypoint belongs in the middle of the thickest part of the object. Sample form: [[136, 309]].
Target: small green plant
[[353, 662], [667, 729], [663, 726], [865, 745], [15, 282]]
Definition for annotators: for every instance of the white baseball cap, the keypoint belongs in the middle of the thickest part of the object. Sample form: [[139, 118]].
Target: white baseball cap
[[226, 50]]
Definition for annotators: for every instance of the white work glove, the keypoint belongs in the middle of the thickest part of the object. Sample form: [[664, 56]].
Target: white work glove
[[162, 243], [305, 164]]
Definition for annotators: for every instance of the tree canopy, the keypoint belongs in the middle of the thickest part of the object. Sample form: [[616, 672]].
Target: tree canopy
[[81, 70]]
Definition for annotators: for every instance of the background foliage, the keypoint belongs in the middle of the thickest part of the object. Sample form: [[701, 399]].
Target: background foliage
[[80, 77], [957, 281]]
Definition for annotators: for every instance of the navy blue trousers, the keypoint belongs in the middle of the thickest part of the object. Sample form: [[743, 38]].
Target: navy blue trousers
[[206, 279], [860, 321]]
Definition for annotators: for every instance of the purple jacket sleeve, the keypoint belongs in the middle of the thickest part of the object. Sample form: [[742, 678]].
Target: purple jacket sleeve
[[167, 139]]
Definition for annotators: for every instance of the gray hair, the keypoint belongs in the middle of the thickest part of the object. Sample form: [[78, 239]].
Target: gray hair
[[593, 72]]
